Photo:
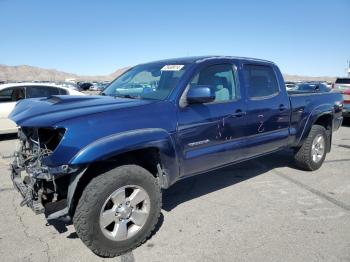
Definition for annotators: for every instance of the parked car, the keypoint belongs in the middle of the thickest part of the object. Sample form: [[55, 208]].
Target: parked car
[[191, 115], [343, 85], [312, 87], [328, 84], [98, 86], [84, 85], [11, 93], [69, 85], [290, 86]]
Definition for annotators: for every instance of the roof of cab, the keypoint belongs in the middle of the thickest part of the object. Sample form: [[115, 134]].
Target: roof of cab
[[199, 59]]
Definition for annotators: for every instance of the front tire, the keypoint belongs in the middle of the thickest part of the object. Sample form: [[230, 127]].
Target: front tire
[[118, 210], [312, 153]]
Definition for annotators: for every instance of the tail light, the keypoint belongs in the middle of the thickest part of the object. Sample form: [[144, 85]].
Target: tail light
[[346, 96]]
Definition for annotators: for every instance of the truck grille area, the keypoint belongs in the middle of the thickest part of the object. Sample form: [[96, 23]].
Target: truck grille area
[[44, 138], [30, 176]]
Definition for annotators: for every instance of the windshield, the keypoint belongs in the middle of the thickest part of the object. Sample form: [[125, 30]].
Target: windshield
[[149, 81]]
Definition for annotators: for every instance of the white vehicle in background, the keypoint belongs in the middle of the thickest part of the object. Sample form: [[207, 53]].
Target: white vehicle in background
[[70, 80], [69, 85], [343, 85], [11, 93], [290, 85]]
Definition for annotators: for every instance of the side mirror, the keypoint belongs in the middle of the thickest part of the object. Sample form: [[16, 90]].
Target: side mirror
[[200, 94]]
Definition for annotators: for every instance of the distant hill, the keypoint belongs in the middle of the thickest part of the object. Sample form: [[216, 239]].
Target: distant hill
[[308, 78], [32, 73]]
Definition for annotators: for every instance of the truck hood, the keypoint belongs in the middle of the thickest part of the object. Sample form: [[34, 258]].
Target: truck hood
[[45, 112]]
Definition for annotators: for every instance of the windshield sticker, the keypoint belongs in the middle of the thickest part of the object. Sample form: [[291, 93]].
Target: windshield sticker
[[172, 68]]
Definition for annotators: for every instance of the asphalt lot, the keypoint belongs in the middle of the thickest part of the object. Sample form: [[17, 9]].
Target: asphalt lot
[[261, 210]]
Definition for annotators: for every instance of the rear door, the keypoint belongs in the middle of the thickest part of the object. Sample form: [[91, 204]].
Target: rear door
[[211, 134], [268, 110]]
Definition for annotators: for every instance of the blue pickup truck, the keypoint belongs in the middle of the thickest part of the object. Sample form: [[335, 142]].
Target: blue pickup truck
[[108, 157]]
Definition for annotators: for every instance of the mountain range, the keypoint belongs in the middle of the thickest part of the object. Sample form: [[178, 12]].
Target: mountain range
[[32, 73]]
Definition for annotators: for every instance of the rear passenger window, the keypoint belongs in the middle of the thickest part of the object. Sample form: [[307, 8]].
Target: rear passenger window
[[260, 81], [221, 78], [62, 91], [41, 91]]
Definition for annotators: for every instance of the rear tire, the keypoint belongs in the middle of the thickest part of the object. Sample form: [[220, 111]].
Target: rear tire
[[105, 190], [312, 153]]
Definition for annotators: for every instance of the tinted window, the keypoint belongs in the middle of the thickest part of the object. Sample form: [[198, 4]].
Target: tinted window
[[260, 81], [62, 91], [12, 94], [5, 95], [41, 91], [221, 78], [343, 81]]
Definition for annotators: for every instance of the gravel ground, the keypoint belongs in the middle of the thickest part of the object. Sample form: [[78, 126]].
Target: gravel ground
[[261, 210]]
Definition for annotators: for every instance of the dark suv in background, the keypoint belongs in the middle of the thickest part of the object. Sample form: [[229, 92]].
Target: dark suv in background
[[84, 85]]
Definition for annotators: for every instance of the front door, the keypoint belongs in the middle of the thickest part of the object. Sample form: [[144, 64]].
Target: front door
[[211, 134]]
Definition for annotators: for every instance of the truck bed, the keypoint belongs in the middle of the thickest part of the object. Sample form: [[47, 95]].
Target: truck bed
[[306, 105]]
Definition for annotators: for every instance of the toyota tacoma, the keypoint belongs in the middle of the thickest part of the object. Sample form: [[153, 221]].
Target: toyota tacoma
[[109, 157]]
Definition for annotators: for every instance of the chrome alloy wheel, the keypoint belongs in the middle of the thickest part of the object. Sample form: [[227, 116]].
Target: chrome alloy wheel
[[318, 148], [124, 212]]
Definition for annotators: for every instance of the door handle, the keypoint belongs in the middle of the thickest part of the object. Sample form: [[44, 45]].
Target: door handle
[[238, 113], [282, 107]]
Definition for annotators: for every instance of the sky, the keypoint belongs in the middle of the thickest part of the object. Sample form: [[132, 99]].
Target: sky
[[97, 37]]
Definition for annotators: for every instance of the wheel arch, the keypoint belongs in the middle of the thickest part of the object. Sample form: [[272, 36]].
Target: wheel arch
[[322, 116], [154, 151]]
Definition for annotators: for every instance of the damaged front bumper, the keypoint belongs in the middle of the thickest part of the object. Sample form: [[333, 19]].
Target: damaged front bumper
[[26, 190], [38, 188], [41, 186]]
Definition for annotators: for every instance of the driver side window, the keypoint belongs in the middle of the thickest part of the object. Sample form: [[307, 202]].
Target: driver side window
[[221, 78]]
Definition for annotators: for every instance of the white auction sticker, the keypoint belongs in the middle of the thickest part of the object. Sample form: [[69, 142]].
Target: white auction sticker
[[172, 68]]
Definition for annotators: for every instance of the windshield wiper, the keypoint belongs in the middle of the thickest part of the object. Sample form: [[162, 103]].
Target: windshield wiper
[[125, 96]]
